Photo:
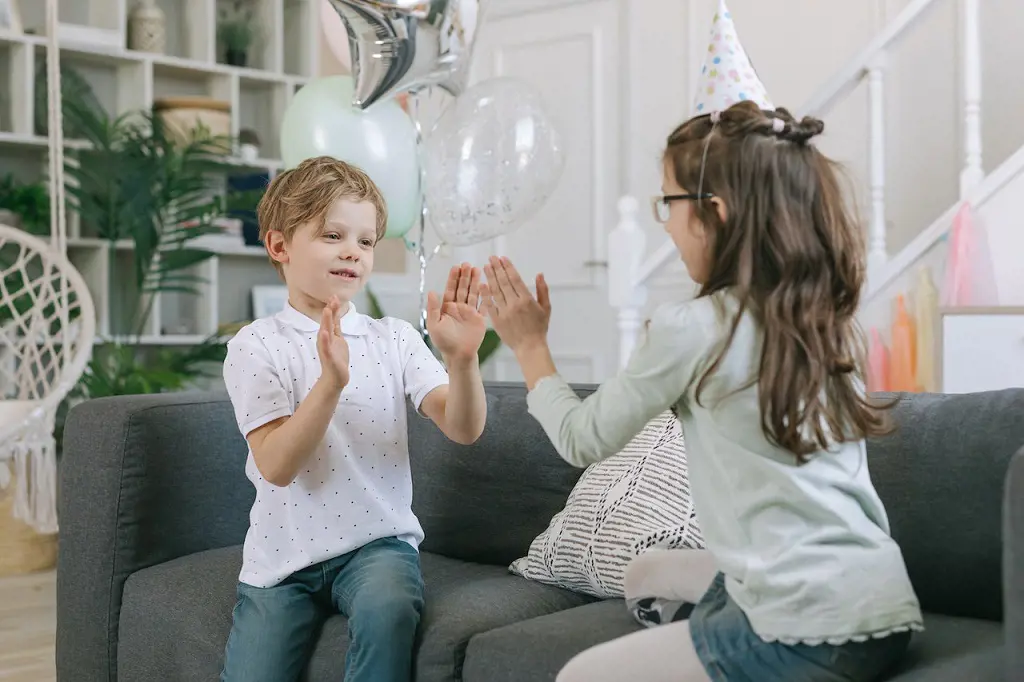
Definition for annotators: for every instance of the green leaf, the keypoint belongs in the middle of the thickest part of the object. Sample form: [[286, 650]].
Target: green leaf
[[490, 344]]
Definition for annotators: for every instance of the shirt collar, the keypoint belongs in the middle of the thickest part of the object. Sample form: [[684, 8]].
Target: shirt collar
[[352, 322]]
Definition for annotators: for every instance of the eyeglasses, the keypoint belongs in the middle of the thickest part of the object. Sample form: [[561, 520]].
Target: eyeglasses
[[660, 203]]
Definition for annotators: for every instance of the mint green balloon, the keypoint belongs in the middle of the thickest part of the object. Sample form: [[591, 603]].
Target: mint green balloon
[[320, 120]]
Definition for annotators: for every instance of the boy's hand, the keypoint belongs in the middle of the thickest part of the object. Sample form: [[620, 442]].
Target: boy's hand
[[332, 347], [455, 324]]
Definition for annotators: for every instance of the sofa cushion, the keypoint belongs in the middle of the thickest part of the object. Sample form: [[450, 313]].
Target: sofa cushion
[[949, 650], [954, 649], [621, 507], [486, 502], [551, 640], [941, 476], [175, 617]]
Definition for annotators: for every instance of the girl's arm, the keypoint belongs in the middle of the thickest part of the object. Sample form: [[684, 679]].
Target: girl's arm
[[586, 431]]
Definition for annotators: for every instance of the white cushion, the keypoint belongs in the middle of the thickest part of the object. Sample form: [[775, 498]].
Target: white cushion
[[619, 508]]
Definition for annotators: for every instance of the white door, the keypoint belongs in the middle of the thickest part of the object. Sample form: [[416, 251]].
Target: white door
[[569, 52]]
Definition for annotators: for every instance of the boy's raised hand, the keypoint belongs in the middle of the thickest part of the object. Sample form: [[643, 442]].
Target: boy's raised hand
[[455, 324], [332, 347]]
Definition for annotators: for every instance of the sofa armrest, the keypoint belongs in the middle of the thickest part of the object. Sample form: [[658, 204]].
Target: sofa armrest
[[143, 479], [1013, 565]]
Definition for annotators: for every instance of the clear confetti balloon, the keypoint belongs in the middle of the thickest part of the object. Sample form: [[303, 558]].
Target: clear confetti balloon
[[491, 162]]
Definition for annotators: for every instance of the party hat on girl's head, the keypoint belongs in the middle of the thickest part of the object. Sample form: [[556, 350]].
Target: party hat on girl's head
[[727, 76]]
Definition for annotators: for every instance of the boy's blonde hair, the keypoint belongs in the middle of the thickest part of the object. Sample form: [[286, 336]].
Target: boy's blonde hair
[[305, 193]]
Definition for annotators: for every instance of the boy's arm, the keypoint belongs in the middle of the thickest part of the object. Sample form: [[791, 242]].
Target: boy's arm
[[281, 447], [281, 437], [459, 408]]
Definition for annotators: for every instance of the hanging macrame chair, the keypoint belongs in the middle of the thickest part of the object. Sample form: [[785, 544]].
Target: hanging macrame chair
[[47, 330]]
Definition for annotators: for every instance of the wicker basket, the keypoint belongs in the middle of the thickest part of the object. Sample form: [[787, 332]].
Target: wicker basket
[[22, 549], [183, 115]]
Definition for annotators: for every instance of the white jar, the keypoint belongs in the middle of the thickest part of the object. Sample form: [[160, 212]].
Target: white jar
[[147, 28]]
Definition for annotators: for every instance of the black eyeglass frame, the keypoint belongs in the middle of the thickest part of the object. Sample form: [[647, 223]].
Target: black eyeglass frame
[[668, 198]]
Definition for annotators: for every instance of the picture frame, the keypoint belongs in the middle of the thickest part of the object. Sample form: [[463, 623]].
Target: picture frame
[[10, 17], [268, 299]]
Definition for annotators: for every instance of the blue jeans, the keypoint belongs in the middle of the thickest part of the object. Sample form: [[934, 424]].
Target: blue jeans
[[731, 652], [379, 588]]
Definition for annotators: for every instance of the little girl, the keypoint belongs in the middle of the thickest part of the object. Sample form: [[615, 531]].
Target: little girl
[[763, 371]]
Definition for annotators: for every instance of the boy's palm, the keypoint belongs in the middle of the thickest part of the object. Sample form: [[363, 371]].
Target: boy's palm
[[331, 345], [455, 323]]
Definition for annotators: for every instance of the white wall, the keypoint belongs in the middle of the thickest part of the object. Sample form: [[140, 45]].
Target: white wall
[[796, 46]]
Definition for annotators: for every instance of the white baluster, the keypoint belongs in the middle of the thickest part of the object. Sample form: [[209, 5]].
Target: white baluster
[[972, 173], [627, 244], [877, 255]]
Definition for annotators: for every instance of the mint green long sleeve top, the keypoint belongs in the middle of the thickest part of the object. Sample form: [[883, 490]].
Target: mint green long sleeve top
[[805, 549]]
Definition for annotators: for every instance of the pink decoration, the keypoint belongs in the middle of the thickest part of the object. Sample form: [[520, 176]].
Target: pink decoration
[[968, 280]]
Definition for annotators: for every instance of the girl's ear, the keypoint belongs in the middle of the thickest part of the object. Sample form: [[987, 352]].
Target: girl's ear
[[723, 212], [277, 246]]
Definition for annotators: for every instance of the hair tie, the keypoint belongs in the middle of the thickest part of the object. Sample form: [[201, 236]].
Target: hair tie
[[778, 125], [716, 116]]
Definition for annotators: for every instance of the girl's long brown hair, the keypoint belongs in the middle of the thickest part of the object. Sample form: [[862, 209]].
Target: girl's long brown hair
[[792, 253]]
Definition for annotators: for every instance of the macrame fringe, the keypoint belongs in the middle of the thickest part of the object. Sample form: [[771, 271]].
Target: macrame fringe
[[35, 480]]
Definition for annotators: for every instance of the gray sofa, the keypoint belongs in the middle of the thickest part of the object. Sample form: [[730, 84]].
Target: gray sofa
[[154, 504]]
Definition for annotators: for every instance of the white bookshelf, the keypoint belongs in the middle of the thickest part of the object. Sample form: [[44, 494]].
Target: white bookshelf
[[94, 39]]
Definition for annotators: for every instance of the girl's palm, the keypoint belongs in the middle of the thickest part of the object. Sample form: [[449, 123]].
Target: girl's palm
[[455, 323]]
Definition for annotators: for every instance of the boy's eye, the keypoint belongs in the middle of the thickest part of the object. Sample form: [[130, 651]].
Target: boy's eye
[[331, 235], [367, 242]]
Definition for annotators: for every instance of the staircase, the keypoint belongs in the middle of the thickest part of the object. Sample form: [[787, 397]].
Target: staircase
[[996, 197]]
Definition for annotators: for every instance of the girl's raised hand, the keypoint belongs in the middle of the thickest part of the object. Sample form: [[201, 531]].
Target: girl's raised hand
[[519, 318]]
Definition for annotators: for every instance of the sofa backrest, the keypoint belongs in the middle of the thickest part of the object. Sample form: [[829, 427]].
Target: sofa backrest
[[486, 502], [941, 476]]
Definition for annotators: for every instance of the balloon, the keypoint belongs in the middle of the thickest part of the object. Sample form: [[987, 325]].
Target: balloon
[[491, 162], [408, 45], [335, 35], [320, 120]]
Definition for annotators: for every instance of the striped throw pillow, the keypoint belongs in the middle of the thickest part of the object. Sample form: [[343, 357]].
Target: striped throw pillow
[[619, 508]]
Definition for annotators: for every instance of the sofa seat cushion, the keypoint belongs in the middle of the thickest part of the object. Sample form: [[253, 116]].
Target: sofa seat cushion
[[954, 650], [551, 640], [949, 650], [175, 617]]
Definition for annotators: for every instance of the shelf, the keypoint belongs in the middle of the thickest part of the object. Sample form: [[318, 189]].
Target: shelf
[[261, 105], [154, 340], [123, 80]]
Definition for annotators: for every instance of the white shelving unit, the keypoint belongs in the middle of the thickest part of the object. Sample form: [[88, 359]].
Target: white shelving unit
[[94, 39]]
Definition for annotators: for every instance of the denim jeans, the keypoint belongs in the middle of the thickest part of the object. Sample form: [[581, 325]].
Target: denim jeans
[[379, 588], [731, 652]]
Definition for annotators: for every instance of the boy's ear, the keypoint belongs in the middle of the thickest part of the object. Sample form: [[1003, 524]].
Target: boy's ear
[[277, 246]]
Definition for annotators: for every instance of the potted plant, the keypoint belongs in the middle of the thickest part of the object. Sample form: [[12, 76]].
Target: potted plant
[[25, 205], [137, 180], [236, 30]]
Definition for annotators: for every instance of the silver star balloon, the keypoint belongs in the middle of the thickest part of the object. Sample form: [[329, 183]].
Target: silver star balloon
[[406, 46]]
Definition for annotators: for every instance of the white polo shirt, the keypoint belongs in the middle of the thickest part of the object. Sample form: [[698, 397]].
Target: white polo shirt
[[356, 486]]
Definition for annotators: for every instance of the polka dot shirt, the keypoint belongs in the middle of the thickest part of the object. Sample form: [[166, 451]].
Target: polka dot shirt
[[356, 486]]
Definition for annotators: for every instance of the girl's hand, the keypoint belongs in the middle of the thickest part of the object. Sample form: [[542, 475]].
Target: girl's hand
[[332, 347], [455, 324], [520, 319]]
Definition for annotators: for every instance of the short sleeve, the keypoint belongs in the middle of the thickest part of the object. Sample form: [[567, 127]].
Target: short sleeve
[[422, 372], [253, 382]]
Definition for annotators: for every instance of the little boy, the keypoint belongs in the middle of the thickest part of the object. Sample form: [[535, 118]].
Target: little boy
[[319, 392]]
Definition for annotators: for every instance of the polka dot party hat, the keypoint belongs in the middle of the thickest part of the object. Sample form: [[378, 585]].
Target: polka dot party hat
[[727, 76]]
